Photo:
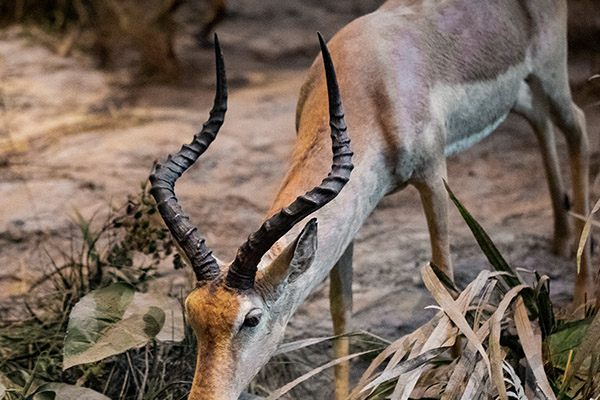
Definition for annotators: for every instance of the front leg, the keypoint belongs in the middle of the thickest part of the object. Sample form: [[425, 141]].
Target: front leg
[[435, 204], [340, 300]]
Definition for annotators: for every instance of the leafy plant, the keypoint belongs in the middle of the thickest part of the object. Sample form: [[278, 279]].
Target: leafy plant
[[114, 319], [514, 344], [122, 253], [50, 391]]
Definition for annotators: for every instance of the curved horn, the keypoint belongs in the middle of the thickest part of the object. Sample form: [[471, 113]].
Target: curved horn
[[242, 272], [163, 179]]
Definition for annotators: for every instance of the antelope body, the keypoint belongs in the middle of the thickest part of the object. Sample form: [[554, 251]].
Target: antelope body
[[419, 80]]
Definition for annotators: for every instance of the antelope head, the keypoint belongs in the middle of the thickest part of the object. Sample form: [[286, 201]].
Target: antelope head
[[239, 311]]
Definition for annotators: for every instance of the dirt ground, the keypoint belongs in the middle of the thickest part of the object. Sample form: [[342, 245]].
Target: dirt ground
[[73, 138]]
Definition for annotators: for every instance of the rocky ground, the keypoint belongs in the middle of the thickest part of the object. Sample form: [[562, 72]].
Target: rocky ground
[[74, 138]]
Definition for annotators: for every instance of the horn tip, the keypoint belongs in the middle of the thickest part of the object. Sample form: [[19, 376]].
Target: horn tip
[[217, 43], [322, 42]]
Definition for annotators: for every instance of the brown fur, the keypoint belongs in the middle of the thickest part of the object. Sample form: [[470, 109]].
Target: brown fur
[[212, 311]]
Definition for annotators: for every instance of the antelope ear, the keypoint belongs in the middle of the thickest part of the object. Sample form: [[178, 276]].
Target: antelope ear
[[294, 260], [304, 250]]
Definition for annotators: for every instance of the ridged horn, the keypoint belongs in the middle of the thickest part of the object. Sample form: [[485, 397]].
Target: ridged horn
[[242, 272], [163, 179]]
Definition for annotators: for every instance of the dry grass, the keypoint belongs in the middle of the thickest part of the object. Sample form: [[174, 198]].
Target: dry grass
[[512, 342], [127, 248]]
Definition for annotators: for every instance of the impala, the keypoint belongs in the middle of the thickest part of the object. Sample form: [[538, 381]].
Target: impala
[[420, 80]]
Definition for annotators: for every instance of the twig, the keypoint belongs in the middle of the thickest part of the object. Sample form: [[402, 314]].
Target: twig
[[584, 218], [67, 44], [145, 378], [110, 374], [124, 385], [135, 381]]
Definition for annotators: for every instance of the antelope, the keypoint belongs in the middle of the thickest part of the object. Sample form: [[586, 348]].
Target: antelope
[[420, 80]]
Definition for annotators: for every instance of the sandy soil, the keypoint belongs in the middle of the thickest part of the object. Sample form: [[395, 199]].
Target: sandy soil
[[75, 138]]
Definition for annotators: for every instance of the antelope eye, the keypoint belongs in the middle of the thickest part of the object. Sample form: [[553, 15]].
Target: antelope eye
[[252, 318]]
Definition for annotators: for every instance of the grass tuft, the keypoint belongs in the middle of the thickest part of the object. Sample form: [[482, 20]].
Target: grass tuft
[[128, 247]]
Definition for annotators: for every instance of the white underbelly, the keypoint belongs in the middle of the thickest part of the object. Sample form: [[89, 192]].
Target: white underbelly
[[466, 141], [471, 111]]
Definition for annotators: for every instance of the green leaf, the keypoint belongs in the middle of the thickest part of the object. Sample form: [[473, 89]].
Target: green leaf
[[487, 246], [491, 252], [154, 320], [546, 316], [568, 338], [42, 395], [114, 319], [589, 347], [92, 315], [62, 391]]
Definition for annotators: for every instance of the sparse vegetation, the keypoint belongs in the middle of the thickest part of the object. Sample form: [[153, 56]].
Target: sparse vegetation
[[515, 344], [127, 248]]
